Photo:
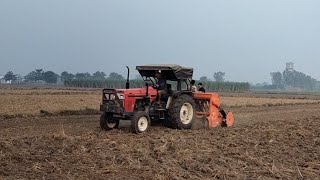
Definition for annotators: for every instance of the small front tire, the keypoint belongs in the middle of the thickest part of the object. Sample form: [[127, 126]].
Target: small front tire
[[140, 122], [107, 123]]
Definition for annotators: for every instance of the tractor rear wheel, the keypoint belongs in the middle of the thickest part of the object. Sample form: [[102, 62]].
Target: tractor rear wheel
[[107, 123], [182, 113], [140, 122]]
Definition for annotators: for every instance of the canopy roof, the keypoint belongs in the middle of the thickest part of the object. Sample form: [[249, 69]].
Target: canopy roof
[[168, 71]]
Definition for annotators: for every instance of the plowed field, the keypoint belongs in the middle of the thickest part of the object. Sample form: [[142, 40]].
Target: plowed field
[[267, 142]]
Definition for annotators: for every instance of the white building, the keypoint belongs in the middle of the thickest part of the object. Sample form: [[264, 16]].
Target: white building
[[290, 66], [2, 81]]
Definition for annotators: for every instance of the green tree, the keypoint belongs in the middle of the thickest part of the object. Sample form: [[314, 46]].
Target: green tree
[[35, 76], [30, 77], [277, 80], [298, 79], [115, 76], [219, 76], [99, 75], [39, 75], [66, 76], [83, 75], [10, 76], [203, 78], [50, 77]]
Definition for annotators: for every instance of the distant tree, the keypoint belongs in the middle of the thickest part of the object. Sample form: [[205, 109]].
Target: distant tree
[[10, 76], [39, 75], [82, 75], [289, 78], [99, 75], [277, 80], [19, 79], [219, 76], [30, 77], [115, 76], [298, 79], [50, 77], [203, 78], [66, 76], [34, 76]]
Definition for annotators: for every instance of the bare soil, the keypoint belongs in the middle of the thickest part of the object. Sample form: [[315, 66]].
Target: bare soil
[[277, 142]]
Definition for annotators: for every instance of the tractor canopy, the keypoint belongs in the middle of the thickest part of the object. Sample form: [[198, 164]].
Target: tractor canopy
[[171, 72]]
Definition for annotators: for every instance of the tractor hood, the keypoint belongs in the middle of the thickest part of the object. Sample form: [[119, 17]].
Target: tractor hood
[[137, 91]]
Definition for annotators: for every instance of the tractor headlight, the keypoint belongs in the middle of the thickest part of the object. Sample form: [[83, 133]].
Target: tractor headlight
[[121, 96], [112, 97], [109, 97]]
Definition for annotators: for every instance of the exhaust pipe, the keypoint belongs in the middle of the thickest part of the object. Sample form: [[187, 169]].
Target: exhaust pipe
[[128, 83], [147, 90]]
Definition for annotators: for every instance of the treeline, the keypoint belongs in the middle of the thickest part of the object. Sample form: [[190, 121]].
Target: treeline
[[40, 76], [293, 79], [114, 80], [210, 86], [103, 83], [37, 76], [226, 86]]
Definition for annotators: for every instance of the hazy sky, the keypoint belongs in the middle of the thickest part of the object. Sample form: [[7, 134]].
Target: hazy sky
[[247, 39]]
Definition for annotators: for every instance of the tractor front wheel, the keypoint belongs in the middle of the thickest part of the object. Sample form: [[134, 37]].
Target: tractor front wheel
[[107, 122], [140, 122]]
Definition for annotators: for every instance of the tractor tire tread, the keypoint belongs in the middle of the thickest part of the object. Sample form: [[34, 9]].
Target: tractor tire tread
[[134, 121], [174, 111]]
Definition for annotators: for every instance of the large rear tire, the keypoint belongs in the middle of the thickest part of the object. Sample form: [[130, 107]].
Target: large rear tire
[[182, 112], [107, 123], [140, 122]]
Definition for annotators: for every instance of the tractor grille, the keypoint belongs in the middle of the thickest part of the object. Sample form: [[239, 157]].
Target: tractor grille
[[111, 102], [111, 106]]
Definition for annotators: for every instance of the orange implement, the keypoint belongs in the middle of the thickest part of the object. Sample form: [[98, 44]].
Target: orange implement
[[209, 106], [230, 119]]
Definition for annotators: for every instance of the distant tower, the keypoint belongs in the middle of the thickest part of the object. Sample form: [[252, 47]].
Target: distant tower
[[289, 66]]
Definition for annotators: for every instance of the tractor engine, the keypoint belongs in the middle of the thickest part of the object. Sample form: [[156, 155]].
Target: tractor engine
[[112, 101], [121, 103]]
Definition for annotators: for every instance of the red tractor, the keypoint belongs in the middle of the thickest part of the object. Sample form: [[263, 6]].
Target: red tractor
[[178, 107]]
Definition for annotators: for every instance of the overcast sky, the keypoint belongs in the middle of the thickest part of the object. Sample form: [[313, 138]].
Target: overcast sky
[[247, 39]]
